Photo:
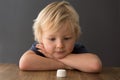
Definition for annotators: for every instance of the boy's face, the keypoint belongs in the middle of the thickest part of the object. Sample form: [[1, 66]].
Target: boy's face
[[58, 44]]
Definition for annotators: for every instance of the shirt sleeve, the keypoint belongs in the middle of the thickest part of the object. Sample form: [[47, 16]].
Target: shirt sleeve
[[79, 48], [33, 48]]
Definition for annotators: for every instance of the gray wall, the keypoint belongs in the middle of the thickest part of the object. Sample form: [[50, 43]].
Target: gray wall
[[99, 20]]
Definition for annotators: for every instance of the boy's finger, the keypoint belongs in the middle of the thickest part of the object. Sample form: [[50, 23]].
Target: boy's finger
[[41, 51]]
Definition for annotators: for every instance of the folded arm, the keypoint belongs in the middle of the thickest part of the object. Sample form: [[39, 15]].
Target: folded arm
[[86, 62], [31, 61]]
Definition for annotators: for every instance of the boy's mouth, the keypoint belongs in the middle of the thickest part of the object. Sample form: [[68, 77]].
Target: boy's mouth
[[60, 52]]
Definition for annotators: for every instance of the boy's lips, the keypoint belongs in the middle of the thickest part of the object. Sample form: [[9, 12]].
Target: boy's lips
[[60, 52]]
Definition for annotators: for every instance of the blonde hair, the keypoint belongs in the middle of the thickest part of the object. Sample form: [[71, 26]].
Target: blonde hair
[[54, 16]]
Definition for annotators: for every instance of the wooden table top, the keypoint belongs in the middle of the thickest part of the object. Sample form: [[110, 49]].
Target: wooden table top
[[12, 72]]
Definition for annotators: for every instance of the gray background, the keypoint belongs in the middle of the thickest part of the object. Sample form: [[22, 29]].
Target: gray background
[[99, 20]]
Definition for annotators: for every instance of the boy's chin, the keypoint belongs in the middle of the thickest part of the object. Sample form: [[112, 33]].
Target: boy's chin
[[59, 57]]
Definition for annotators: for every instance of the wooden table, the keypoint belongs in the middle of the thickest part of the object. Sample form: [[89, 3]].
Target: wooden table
[[12, 72]]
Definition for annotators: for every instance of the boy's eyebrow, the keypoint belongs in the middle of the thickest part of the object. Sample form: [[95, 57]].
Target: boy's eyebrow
[[51, 35], [63, 35]]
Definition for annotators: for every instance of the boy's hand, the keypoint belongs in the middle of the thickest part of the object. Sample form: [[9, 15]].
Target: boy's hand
[[66, 66], [43, 51]]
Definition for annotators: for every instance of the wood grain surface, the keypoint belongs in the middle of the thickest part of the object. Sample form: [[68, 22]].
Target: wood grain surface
[[12, 72]]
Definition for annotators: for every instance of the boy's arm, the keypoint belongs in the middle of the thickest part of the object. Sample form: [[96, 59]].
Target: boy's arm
[[86, 62], [31, 61]]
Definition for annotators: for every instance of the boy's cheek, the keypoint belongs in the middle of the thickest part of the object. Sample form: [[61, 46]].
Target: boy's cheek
[[70, 48], [48, 48]]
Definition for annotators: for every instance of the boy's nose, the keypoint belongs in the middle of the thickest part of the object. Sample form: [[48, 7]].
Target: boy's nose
[[60, 44]]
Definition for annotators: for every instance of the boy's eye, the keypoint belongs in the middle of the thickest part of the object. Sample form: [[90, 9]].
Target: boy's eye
[[67, 38], [52, 39]]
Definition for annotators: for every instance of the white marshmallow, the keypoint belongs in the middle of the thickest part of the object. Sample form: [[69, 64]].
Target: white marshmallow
[[61, 73]]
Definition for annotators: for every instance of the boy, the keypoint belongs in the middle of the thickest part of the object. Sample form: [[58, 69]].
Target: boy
[[56, 30]]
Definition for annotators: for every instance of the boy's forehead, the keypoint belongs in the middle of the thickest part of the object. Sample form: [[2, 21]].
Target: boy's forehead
[[64, 26], [61, 32]]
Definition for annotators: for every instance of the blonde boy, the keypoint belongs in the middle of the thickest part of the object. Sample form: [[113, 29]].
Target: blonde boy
[[56, 30]]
